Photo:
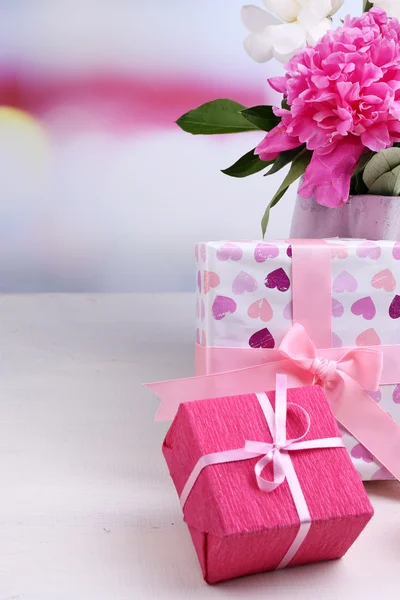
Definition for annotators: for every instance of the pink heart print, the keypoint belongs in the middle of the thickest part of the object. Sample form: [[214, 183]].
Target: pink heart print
[[279, 280], [396, 251], [229, 252], [369, 250], [223, 306], [288, 311], [345, 282], [196, 252], [364, 307], [394, 308], [289, 252], [203, 252], [337, 308], [203, 310], [336, 341], [368, 338], [396, 395], [211, 280], [244, 283], [262, 339], [384, 280], [377, 396], [199, 281], [339, 251], [203, 339], [382, 474], [264, 251], [359, 451], [261, 310]]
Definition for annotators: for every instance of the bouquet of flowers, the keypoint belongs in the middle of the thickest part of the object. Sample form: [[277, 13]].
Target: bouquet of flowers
[[338, 125]]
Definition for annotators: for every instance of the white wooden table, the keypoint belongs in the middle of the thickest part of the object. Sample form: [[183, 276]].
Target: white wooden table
[[87, 509]]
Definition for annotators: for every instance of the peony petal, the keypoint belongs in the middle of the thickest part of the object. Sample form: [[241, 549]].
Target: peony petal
[[278, 84], [259, 47], [256, 19], [391, 7], [287, 10], [376, 137], [286, 39], [328, 176], [276, 141]]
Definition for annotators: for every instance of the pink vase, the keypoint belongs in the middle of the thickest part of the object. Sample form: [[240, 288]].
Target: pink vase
[[369, 217]]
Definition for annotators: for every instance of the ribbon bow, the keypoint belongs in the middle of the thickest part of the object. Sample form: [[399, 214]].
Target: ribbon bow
[[361, 365]]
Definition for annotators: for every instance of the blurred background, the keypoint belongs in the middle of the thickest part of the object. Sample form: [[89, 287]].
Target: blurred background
[[99, 190]]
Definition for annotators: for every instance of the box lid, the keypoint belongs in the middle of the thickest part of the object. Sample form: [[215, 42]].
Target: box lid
[[225, 499]]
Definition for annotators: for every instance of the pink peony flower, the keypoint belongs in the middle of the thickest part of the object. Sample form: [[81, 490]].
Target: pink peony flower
[[344, 98]]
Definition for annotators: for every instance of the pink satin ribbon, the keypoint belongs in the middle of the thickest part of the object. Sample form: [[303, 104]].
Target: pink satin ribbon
[[276, 453]]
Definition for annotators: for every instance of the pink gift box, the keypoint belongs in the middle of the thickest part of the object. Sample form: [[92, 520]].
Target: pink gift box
[[236, 528]]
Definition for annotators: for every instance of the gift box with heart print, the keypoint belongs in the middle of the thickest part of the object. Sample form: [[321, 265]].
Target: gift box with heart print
[[244, 300]]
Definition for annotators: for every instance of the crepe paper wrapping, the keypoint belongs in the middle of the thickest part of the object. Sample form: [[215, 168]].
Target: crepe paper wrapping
[[365, 310], [238, 529]]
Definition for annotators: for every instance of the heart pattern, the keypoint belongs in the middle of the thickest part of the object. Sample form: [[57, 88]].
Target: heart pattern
[[278, 279], [337, 308], [384, 280], [336, 341], [396, 395], [263, 252], [345, 282], [229, 252], [203, 252], [211, 280], [365, 308], [197, 309], [199, 281], [368, 338], [288, 311], [203, 339], [359, 451], [369, 250], [382, 474], [339, 251], [198, 336], [396, 251], [394, 308], [289, 252], [262, 339], [223, 306], [244, 283], [377, 396], [261, 310]]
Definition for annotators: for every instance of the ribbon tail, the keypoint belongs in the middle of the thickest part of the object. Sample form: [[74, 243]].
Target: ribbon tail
[[229, 383], [367, 422]]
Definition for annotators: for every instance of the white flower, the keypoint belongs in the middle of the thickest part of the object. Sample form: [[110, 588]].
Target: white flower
[[391, 7], [296, 24]]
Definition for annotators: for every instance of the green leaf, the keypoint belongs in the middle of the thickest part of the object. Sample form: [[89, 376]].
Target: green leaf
[[218, 116], [367, 6], [261, 116], [249, 164], [285, 104], [284, 159], [381, 175], [297, 169]]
